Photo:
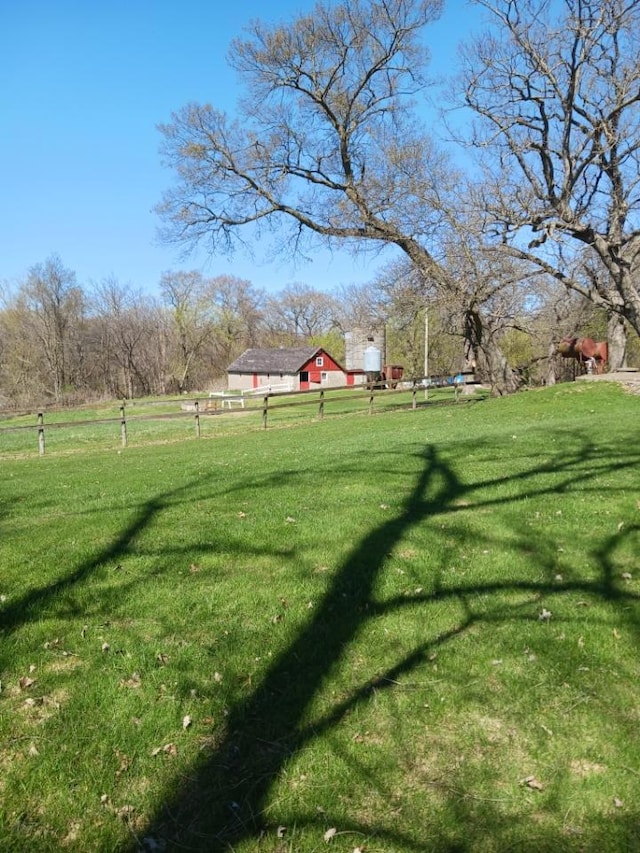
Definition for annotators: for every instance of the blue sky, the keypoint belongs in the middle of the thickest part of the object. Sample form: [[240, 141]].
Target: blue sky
[[83, 86]]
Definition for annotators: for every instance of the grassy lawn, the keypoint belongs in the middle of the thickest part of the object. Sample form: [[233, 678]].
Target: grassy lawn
[[415, 631], [148, 420]]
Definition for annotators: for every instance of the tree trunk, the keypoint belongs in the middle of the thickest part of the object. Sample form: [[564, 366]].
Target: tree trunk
[[551, 363], [617, 340], [490, 362], [502, 379]]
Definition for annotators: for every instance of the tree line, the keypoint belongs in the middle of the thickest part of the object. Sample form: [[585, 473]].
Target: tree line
[[63, 342]]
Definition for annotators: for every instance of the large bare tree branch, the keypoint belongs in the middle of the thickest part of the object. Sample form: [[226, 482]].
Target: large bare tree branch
[[326, 147], [558, 102], [318, 145]]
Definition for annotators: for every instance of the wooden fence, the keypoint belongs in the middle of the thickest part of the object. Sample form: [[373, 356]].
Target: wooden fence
[[268, 407]]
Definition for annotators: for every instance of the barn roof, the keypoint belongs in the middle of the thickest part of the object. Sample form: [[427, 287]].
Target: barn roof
[[278, 360]]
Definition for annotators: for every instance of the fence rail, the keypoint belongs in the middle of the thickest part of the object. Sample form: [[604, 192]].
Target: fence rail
[[268, 406]]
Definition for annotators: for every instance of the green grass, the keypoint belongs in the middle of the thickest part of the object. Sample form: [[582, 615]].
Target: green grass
[[379, 625], [151, 420]]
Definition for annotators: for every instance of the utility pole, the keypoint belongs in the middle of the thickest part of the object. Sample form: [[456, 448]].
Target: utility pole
[[426, 352]]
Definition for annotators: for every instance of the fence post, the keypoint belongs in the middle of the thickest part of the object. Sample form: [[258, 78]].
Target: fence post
[[123, 427], [413, 394], [371, 402], [197, 419], [40, 433], [265, 406], [321, 409]]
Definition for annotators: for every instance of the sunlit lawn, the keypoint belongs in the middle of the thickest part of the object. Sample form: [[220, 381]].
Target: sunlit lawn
[[411, 631], [99, 426]]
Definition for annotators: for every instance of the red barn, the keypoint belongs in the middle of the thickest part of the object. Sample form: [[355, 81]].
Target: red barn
[[285, 369]]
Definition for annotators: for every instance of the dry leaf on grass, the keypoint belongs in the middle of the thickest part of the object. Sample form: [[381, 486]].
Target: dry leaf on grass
[[533, 783], [125, 763], [168, 749], [125, 812], [329, 834]]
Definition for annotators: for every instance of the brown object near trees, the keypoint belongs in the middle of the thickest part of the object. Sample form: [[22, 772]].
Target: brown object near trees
[[585, 351]]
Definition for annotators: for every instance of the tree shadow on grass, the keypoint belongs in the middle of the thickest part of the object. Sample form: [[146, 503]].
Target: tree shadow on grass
[[224, 802], [30, 606]]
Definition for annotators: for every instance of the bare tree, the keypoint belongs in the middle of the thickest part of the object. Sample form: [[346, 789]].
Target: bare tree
[[189, 299], [558, 102], [360, 306], [129, 329], [484, 300], [23, 373], [239, 321], [52, 307], [487, 297], [558, 314], [327, 146], [403, 301], [301, 313]]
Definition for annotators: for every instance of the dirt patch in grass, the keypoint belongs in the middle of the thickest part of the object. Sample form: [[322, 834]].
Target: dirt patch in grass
[[38, 709], [65, 664], [583, 768]]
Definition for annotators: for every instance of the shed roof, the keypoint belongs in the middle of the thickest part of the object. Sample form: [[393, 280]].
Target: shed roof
[[277, 360]]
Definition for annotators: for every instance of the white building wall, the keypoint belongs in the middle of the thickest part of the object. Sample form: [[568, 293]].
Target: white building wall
[[277, 381]]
